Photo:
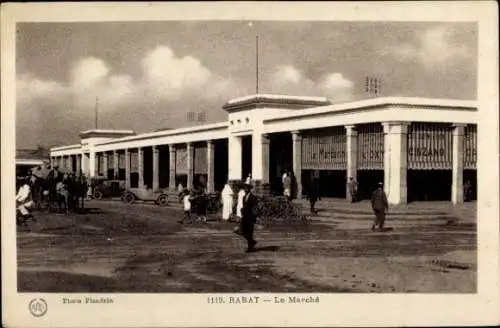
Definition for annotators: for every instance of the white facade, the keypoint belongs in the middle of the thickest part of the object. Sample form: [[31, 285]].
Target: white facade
[[261, 116]]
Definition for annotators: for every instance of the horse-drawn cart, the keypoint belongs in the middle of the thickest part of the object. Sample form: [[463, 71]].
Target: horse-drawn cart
[[160, 197]]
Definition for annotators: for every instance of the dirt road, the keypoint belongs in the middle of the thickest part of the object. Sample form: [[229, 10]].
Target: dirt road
[[141, 248]]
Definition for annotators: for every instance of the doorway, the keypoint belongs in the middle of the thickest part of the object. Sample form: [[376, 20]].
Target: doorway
[[429, 185], [368, 181], [246, 156]]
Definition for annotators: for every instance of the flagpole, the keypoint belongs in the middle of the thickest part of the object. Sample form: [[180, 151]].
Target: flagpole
[[256, 64], [96, 111]]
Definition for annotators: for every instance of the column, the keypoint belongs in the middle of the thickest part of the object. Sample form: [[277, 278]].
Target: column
[[116, 164], [395, 161], [156, 168], [92, 164], [235, 161], [127, 168], [105, 165], [260, 157], [172, 158], [85, 164], [78, 164], [210, 166], [457, 184], [52, 161], [190, 165], [352, 154], [297, 160], [140, 166]]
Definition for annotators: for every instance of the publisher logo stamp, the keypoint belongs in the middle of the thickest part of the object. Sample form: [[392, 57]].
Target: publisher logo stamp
[[38, 307]]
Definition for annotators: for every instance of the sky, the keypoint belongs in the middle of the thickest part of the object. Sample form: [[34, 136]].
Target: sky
[[149, 75]]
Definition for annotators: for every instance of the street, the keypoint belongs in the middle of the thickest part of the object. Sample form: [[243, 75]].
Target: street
[[115, 247]]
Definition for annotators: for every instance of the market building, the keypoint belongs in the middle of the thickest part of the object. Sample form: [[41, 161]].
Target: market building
[[422, 149]]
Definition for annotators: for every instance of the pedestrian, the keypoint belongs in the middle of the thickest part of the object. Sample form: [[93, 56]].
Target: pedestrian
[[249, 179], [380, 206], [313, 194], [239, 204], [287, 186], [201, 205], [249, 217], [185, 197], [467, 191], [352, 186], [227, 202], [24, 198]]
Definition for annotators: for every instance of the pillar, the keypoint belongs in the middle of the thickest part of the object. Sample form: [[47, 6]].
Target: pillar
[[457, 184], [116, 164], [352, 154], [78, 164], [190, 165], [92, 164], [210, 166], [260, 157], [127, 168], [140, 166], [172, 158], [395, 161], [156, 168], [85, 164], [105, 165], [235, 161], [297, 160], [52, 161]]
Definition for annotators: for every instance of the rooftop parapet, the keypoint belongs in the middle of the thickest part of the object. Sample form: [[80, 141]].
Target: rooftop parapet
[[275, 101]]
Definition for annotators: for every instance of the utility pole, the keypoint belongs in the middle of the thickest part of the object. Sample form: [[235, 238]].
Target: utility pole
[[96, 111]]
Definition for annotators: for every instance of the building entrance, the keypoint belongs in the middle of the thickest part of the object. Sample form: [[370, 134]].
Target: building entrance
[[368, 181], [429, 185], [246, 156], [470, 185], [220, 164], [332, 183], [280, 160]]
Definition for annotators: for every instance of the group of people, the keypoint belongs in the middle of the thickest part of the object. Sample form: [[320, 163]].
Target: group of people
[[195, 208], [51, 186], [195, 203]]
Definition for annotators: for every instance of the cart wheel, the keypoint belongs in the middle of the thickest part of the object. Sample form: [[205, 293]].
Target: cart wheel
[[97, 194], [162, 199], [128, 198]]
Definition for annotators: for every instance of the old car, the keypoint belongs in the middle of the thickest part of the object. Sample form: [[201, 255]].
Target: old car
[[160, 197]]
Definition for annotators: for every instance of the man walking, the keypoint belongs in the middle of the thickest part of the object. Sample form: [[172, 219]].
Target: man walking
[[249, 217], [380, 207], [313, 194]]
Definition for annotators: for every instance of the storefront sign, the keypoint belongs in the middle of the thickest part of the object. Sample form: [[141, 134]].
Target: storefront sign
[[430, 146], [324, 152], [134, 162], [470, 147], [121, 160], [181, 161], [370, 147], [200, 160]]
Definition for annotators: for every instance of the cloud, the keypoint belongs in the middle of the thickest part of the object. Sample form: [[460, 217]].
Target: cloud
[[436, 47], [164, 77], [166, 88], [289, 80]]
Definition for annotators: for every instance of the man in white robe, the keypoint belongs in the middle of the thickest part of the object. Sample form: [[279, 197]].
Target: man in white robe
[[227, 202], [24, 199], [239, 205]]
